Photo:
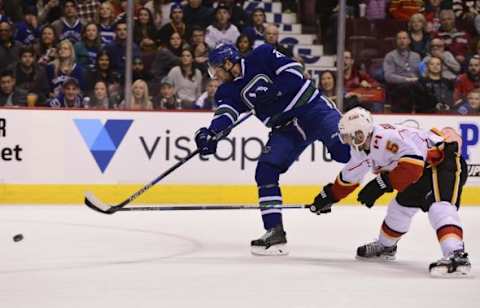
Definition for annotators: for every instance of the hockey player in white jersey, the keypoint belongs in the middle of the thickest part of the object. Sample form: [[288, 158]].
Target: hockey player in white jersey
[[426, 170]]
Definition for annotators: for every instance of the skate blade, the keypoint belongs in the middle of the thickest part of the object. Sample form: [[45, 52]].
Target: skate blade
[[441, 272], [275, 250], [380, 259]]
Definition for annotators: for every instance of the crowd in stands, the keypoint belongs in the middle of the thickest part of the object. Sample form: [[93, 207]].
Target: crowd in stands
[[420, 56]]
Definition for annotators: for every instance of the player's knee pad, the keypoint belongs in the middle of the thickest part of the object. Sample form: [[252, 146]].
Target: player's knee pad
[[442, 214], [266, 174], [399, 217]]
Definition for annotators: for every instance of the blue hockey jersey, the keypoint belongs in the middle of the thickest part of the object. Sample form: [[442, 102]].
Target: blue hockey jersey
[[264, 67]]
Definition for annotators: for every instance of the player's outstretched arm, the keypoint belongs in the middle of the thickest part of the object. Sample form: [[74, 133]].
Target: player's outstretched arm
[[331, 194]]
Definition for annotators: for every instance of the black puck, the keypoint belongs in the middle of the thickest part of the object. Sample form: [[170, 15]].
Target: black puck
[[18, 237]]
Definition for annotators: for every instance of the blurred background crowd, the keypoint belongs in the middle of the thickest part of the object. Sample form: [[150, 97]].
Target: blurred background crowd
[[402, 56]]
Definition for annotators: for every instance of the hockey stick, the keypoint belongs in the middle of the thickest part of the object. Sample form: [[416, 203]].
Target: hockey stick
[[96, 204], [204, 207]]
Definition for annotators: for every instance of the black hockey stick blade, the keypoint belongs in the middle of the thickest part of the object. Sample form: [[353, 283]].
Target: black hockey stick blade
[[202, 207], [95, 204]]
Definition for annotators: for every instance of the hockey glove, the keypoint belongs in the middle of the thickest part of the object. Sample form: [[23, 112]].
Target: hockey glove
[[323, 201], [266, 94], [204, 141], [374, 190]]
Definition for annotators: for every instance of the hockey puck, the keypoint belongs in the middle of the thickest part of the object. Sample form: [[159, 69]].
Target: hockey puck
[[18, 237]]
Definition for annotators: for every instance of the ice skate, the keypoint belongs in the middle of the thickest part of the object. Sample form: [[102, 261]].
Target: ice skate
[[272, 243], [375, 251], [455, 266]]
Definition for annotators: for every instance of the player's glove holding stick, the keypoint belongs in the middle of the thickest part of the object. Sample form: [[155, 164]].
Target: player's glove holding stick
[[323, 201], [205, 142], [267, 94], [374, 190]]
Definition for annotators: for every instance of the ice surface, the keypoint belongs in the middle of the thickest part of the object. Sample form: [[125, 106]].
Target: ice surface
[[72, 256]]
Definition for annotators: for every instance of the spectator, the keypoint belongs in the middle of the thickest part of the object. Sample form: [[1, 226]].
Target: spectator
[[222, 31], [100, 98], [450, 66], [271, 37], [160, 10], [164, 61], [30, 77], [176, 44], [401, 73], [186, 79], [48, 11], [437, 91], [9, 95], [368, 91], [196, 14], [69, 97], [256, 32], [46, 47], [200, 49], [87, 49], [457, 42], [244, 45], [9, 48], [404, 9], [145, 33], [468, 81], [140, 99], [167, 98], [376, 9], [328, 83], [28, 30], [465, 9], [88, 10], [238, 17], [69, 25], [106, 23], [176, 24], [62, 67], [117, 48], [139, 71], [470, 106], [432, 13], [206, 101], [103, 71], [419, 37]]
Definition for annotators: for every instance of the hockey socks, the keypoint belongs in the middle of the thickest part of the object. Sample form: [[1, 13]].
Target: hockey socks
[[396, 223], [445, 220]]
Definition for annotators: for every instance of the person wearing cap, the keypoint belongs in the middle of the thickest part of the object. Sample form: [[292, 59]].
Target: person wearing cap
[[222, 31], [176, 24], [69, 97], [28, 31], [167, 98]]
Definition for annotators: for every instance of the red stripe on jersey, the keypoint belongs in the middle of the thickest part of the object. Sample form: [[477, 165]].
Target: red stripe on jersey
[[405, 173], [341, 189]]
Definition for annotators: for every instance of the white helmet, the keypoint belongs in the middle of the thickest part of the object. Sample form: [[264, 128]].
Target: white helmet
[[355, 127]]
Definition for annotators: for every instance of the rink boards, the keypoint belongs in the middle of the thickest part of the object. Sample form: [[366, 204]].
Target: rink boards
[[52, 157]]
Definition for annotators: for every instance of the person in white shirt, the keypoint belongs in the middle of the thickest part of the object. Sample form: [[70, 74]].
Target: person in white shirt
[[426, 169], [222, 31]]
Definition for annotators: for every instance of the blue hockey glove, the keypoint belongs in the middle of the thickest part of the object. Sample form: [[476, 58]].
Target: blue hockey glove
[[266, 94], [374, 190], [204, 141], [323, 201]]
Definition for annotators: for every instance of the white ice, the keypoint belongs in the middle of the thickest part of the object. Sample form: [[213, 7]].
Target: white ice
[[74, 257]]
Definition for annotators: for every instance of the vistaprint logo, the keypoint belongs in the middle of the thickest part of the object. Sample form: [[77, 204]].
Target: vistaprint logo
[[103, 140]]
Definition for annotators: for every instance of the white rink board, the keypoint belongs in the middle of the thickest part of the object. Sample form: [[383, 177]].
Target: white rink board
[[54, 152]]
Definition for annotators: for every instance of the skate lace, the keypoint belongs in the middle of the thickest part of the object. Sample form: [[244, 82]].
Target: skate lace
[[266, 235], [374, 248]]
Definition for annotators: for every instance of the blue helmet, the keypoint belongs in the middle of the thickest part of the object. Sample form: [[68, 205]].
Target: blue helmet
[[223, 52]]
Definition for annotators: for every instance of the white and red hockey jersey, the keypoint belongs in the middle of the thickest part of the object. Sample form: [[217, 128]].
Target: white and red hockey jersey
[[401, 151]]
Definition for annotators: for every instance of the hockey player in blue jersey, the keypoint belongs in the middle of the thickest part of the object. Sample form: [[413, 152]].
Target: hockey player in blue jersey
[[273, 85]]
